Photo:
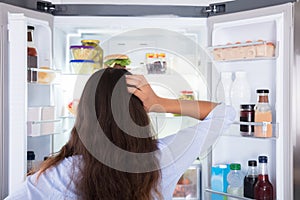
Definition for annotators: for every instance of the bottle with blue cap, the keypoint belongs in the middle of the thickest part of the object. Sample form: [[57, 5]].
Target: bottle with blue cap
[[263, 189]]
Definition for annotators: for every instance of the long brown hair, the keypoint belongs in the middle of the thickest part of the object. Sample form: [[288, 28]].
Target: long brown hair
[[107, 174]]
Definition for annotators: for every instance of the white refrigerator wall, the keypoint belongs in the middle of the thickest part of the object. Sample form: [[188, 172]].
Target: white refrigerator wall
[[270, 24]]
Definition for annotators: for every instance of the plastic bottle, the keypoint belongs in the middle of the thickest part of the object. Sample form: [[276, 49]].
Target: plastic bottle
[[240, 92], [224, 88], [263, 113], [263, 189], [30, 160], [235, 181], [32, 56], [250, 179]]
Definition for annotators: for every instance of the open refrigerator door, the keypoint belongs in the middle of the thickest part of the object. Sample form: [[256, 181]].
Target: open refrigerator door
[[32, 116], [256, 44]]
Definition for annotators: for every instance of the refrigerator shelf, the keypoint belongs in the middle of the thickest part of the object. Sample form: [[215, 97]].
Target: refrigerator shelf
[[234, 130], [44, 127], [248, 51], [225, 194]]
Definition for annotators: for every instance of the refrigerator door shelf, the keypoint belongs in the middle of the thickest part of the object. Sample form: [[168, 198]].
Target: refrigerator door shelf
[[234, 130], [224, 194], [247, 51], [44, 127]]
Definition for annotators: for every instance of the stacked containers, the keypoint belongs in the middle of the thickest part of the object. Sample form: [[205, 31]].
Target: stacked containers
[[86, 58]]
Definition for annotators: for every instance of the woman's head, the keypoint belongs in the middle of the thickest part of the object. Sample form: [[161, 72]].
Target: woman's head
[[112, 134]]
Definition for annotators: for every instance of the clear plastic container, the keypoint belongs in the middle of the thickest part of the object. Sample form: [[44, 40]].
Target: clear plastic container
[[82, 66], [83, 52], [156, 63]]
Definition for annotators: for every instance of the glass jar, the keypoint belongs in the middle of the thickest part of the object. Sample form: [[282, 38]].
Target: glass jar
[[98, 58], [32, 56], [247, 115], [263, 114], [186, 95], [156, 63]]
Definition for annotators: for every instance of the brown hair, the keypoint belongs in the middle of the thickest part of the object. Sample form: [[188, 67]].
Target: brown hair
[[105, 98]]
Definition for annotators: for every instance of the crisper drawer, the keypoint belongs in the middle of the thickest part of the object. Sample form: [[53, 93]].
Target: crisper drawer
[[189, 184]]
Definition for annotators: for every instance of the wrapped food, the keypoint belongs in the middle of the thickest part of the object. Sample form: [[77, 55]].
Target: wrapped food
[[117, 61]]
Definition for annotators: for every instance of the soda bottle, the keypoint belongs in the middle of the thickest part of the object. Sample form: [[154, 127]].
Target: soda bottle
[[235, 181], [263, 189], [250, 179]]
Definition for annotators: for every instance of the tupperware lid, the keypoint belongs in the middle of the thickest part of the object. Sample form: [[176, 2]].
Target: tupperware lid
[[81, 61], [81, 47]]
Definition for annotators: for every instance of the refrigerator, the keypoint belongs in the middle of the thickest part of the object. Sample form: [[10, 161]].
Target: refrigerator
[[188, 35]]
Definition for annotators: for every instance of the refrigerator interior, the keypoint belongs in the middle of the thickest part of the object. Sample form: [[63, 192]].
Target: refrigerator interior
[[261, 73], [180, 39]]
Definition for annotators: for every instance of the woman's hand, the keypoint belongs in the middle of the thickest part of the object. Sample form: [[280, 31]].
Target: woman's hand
[[139, 86]]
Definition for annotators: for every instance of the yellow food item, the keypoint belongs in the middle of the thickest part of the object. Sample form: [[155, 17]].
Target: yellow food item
[[45, 77]]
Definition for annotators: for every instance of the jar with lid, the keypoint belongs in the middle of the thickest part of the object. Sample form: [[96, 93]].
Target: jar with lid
[[98, 58], [32, 56], [246, 115], [186, 95], [30, 160], [263, 114], [156, 63]]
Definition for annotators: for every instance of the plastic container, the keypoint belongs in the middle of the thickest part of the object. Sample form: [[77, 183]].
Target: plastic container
[[156, 63], [235, 180], [82, 66], [83, 52]]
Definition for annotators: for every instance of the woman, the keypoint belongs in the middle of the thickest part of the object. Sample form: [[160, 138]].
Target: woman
[[112, 153]]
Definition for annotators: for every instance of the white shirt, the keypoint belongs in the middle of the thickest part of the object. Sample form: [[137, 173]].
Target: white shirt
[[174, 160]]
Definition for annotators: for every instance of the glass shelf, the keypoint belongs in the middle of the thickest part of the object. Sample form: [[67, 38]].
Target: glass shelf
[[247, 51], [234, 130], [226, 194]]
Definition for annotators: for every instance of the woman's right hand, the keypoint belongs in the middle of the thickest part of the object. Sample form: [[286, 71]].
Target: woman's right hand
[[139, 86]]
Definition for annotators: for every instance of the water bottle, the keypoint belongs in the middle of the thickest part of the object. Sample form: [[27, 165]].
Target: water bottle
[[235, 180], [240, 92], [224, 88]]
